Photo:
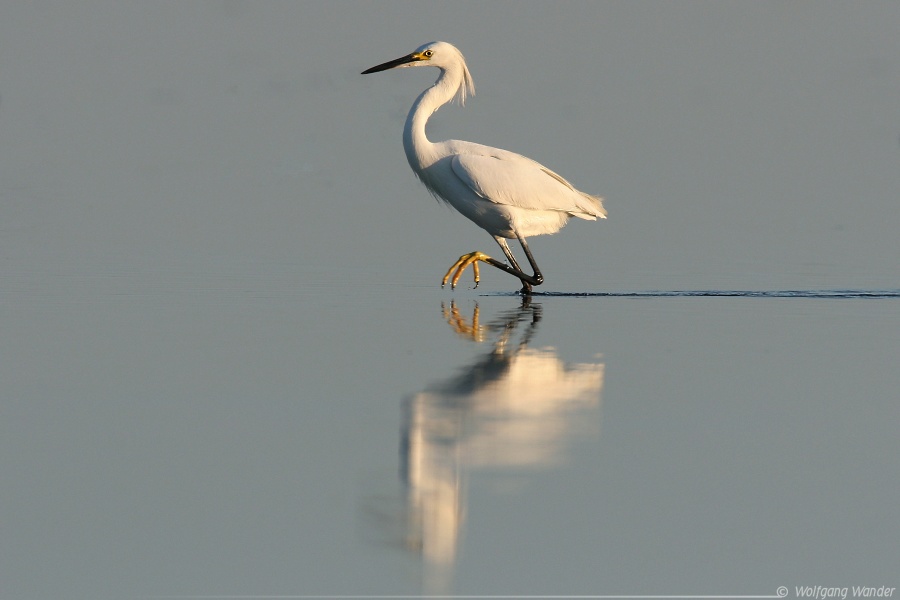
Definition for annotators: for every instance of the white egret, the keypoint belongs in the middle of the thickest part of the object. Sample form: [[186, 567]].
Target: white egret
[[506, 194]]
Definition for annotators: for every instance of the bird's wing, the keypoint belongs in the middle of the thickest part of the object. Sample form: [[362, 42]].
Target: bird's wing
[[514, 180]]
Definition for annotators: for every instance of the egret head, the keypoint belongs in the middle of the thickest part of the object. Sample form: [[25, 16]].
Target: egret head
[[442, 55]]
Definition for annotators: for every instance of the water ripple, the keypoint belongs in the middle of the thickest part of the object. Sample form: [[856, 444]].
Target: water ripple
[[838, 294]]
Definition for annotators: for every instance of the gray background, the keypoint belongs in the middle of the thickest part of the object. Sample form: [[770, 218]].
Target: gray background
[[218, 291]]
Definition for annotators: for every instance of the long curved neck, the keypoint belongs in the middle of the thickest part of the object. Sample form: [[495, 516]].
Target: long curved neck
[[419, 150]]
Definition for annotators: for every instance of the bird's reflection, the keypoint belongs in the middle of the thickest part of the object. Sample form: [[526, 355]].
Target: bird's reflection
[[514, 407]]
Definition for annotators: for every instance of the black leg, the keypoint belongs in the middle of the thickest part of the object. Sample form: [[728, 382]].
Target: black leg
[[539, 279], [514, 269]]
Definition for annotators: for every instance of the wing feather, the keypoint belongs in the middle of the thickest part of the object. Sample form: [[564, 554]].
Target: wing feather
[[514, 180]]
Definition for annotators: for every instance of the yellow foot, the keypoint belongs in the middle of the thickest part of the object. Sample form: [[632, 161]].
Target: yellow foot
[[459, 266]]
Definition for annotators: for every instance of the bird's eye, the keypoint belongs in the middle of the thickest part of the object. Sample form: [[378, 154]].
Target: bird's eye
[[428, 53]]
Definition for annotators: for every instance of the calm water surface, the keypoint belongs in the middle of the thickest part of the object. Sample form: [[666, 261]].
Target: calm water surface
[[256, 432]]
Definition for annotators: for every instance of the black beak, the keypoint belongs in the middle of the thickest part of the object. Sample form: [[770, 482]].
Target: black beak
[[397, 62]]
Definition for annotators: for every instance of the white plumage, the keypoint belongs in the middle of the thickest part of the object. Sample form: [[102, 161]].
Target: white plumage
[[508, 195]]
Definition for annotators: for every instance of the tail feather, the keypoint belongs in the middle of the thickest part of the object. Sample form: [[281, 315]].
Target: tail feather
[[591, 208]]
